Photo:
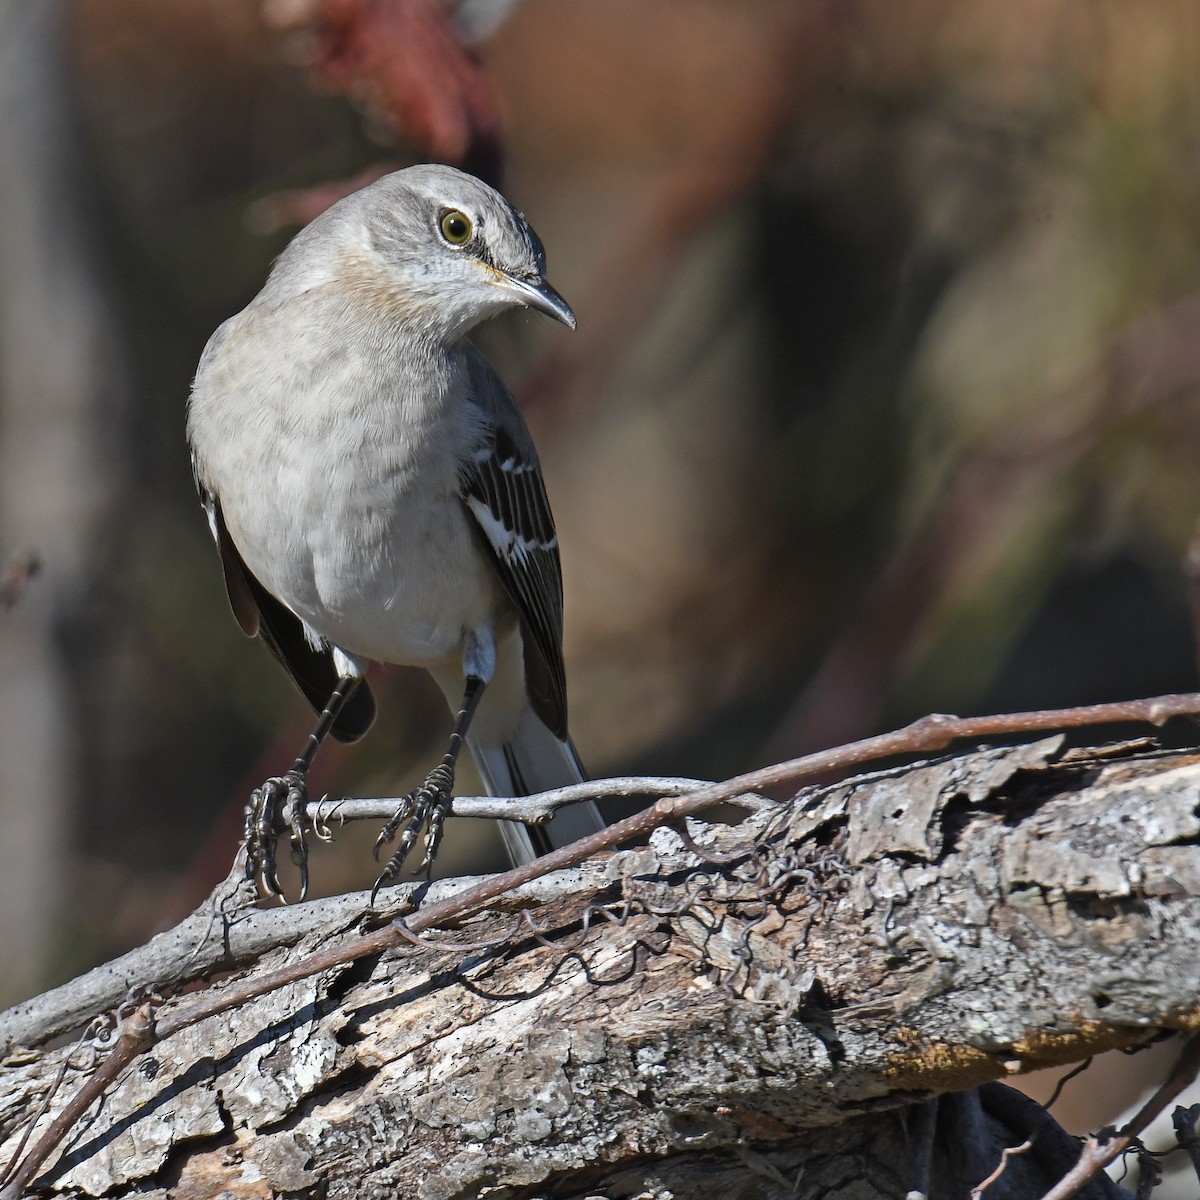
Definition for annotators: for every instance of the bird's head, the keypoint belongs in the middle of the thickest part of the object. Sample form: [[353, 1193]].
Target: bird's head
[[453, 248]]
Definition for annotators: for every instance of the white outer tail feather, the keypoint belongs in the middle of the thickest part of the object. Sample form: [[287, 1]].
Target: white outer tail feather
[[517, 755], [534, 760]]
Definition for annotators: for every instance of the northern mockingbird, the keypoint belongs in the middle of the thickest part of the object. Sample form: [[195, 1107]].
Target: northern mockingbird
[[375, 495]]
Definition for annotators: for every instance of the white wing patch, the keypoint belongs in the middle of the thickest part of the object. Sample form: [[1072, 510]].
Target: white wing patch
[[506, 541], [503, 491]]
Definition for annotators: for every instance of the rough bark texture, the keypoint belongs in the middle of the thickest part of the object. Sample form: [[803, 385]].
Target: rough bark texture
[[778, 1025]]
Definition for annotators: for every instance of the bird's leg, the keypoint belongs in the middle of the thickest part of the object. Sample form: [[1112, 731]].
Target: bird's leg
[[281, 803], [427, 805]]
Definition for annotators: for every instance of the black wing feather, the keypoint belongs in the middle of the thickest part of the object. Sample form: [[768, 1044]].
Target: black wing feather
[[505, 478]]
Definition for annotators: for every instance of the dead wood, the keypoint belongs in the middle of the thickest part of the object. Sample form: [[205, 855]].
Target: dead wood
[[779, 1021]]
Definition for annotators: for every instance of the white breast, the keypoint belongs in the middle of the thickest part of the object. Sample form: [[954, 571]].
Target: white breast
[[335, 460]]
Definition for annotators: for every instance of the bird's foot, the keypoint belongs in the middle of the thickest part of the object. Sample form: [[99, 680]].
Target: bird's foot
[[278, 806], [426, 807]]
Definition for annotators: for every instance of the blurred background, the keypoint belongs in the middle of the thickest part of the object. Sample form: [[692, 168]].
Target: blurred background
[[883, 400]]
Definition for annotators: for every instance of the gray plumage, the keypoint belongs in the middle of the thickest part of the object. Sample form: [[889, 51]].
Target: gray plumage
[[372, 487]]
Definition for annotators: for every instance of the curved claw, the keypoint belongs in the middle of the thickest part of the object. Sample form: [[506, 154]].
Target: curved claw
[[427, 807], [433, 834], [382, 840], [269, 877], [385, 877], [388, 832], [297, 826], [279, 804], [321, 818]]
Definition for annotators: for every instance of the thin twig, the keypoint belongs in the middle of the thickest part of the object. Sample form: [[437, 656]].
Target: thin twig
[[1007, 1153], [136, 1035], [174, 955], [931, 733], [458, 947], [529, 810], [1096, 1155], [226, 930], [1077, 1069], [42, 1108]]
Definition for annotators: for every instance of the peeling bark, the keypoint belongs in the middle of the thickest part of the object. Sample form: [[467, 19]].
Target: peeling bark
[[813, 1018]]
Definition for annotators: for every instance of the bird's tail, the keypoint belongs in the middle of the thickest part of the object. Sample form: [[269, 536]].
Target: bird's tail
[[518, 756], [534, 760]]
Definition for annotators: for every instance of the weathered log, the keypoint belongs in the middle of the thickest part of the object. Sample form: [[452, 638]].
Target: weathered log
[[778, 1023]]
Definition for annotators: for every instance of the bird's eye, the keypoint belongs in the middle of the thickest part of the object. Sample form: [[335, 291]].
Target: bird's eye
[[455, 226]]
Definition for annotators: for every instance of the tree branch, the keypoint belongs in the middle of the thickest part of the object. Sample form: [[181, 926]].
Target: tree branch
[[529, 810], [1098, 1154], [905, 934]]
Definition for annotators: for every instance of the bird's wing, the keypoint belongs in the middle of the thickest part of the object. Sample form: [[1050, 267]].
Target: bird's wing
[[502, 487], [258, 612]]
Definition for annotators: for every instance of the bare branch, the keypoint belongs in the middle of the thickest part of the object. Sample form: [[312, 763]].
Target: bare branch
[[451, 907], [529, 810], [136, 1034], [1096, 1155], [1008, 1152], [225, 931]]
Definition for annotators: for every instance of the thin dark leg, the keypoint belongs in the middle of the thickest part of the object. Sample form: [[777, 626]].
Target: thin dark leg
[[342, 692], [282, 802], [427, 805]]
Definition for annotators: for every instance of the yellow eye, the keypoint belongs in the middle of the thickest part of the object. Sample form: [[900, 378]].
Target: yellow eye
[[455, 226]]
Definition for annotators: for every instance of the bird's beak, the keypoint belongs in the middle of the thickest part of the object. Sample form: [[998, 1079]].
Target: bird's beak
[[537, 293]]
